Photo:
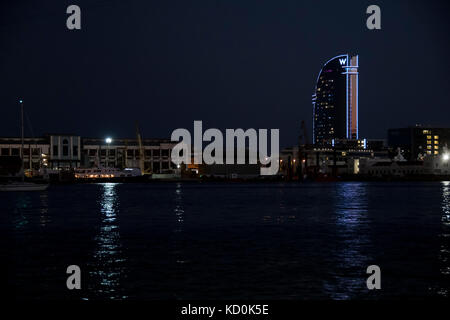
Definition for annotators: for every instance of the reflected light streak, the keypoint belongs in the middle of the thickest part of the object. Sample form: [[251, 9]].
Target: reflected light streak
[[352, 229], [109, 260], [23, 204], [44, 218], [444, 250], [179, 209], [179, 215]]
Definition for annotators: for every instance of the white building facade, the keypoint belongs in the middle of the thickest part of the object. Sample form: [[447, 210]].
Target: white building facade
[[66, 151]]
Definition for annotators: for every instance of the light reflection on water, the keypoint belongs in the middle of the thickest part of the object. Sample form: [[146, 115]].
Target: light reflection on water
[[22, 205], [351, 220], [444, 252], [179, 216], [25, 207], [179, 208], [44, 218], [109, 260]]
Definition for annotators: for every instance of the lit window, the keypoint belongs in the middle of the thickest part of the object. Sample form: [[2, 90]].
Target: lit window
[[436, 142], [436, 152], [436, 147], [428, 147], [425, 131], [428, 141], [436, 137], [428, 137], [428, 152]]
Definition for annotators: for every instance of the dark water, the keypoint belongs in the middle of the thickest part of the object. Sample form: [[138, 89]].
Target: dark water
[[228, 241]]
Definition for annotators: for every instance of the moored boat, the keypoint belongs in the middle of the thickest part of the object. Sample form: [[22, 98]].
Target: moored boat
[[23, 185], [106, 173]]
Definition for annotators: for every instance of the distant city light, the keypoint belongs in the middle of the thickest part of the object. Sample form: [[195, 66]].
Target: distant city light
[[20, 101], [108, 140], [446, 156]]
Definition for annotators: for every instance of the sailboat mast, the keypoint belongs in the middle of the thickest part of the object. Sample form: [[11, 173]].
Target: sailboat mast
[[21, 150]]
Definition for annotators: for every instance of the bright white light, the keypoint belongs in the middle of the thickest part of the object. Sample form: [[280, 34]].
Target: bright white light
[[446, 156], [108, 140], [178, 166]]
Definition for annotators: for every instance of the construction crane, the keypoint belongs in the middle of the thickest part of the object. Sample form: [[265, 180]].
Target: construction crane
[[302, 145], [141, 149]]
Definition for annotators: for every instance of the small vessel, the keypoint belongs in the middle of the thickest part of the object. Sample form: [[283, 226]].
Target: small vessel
[[106, 173], [166, 176], [23, 185]]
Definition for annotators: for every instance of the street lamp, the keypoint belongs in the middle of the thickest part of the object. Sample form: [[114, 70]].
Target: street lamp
[[108, 140], [446, 157]]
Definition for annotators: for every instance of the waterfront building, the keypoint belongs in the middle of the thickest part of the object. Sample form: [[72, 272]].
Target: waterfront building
[[340, 159], [344, 161], [416, 142], [35, 151], [430, 166], [66, 151], [122, 153], [335, 101]]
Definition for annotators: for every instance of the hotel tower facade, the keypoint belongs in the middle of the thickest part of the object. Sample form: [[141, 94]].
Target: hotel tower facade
[[335, 101]]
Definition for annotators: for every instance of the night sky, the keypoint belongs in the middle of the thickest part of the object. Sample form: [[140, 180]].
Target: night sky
[[232, 64]]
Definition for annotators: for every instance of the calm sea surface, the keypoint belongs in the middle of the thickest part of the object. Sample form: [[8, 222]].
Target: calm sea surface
[[228, 241]]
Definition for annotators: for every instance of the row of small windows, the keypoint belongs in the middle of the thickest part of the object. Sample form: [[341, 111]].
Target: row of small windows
[[16, 151], [131, 152], [428, 133], [408, 171], [324, 125], [90, 152], [156, 166]]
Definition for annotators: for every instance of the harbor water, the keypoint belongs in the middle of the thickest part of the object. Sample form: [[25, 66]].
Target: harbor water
[[228, 240]]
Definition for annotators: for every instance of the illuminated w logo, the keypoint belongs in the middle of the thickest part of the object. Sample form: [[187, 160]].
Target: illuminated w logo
[[343, 61]]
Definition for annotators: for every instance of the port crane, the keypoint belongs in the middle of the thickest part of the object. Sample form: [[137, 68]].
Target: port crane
[[302, 146], [141, 150]]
